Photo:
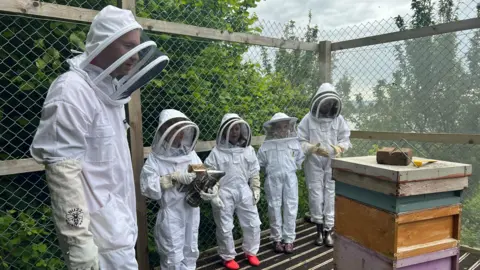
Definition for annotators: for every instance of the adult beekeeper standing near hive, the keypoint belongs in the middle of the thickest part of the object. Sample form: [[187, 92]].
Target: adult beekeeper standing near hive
[[324, 134], [82, 141]]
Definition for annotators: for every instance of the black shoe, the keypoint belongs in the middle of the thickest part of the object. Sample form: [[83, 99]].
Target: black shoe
[[319, 240], [328, 238], [278, 247]]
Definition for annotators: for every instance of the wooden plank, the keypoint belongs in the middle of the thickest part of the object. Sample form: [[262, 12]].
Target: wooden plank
[[433, 186], [425, 231], [55, 11], [27, 165], [443, 259], [365, 182], [220, 35], [448, 138], [325, 61], [409, 34], [372, 228], [42, 9], [205, 146], [415, 216], [411, 251], [349, 255], [395, 204], [17, 166], [136, 145], [136, 148], [396, 236], [367, 165]]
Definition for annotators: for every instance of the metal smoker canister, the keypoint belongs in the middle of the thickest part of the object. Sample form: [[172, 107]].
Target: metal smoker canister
[[205, 180]]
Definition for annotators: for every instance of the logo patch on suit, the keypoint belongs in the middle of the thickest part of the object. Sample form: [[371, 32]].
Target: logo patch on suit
[[75, 217]]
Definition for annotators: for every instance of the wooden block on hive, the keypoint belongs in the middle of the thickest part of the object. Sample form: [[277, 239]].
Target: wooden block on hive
[[349, 255], [396, 204], [394, 156], [398, 236], [366, 173]]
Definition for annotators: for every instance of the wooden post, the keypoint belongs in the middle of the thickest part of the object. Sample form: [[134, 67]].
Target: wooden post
[[325, 60], [134, 112]]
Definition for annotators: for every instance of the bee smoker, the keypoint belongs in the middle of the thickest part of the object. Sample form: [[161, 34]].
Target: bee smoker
[[204, 180]]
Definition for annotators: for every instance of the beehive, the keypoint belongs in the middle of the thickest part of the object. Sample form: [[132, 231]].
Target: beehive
[[398, 213]]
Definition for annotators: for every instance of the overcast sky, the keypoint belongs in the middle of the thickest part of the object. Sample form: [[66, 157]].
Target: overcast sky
[[329, 14], [349, 19]]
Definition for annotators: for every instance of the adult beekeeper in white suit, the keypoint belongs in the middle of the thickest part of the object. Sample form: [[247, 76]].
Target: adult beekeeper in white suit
[[324, 134], [280, 156], [239, 189], [165, 178], [82, 141]]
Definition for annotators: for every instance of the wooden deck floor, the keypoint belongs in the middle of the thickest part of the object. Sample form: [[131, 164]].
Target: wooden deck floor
[[306, 255]]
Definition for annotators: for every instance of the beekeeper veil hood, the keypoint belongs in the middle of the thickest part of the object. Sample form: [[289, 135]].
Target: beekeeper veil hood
[[280, 127], [175, 136], [234, 132], [142, 61], [326, 103]]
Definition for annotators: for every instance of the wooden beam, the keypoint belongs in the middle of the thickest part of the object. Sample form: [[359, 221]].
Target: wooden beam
[[325, 60], [219, 35], [134, 110], [408, 34], [42, 9], [68, 13], [448, 138], [8, 167], [17, 166], [205, 146]]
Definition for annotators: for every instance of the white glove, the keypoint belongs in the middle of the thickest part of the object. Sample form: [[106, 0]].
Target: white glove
[[77, 253], [338, 150], [255, 186], [166, 181], [212, 196], [70, 215], [310, 149], [184, 178], [320, 151], [216, 201], [212, 193]]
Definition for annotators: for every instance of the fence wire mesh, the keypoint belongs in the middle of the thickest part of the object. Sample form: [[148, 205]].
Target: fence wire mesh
[[421, 85]]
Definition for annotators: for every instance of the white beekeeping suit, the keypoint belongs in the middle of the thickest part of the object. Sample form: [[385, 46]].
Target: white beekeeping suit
[[281, 156], [239, 189], [324, 134], [164, 178], [81, 140]]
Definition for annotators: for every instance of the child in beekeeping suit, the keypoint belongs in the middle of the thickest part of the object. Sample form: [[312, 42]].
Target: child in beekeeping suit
[[165, 178], [324, 134], [281, 156], [239, 189]]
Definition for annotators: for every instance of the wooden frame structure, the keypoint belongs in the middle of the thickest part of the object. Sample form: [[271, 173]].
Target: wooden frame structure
[[38, 8]]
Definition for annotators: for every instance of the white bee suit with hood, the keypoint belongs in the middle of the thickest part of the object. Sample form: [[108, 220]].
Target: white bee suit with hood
[[281, 156], [326, 129], [82, 141], [176, 227], [239, 188]]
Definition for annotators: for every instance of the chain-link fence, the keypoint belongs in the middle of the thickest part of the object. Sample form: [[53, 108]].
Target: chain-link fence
[[421, 85]]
